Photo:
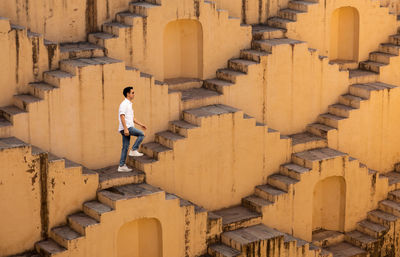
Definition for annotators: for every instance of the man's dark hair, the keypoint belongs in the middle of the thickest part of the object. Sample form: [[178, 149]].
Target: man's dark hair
[[127, 90]]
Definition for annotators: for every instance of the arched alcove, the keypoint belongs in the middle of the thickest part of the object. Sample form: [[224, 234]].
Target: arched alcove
[[329, 201], [344, 35], [140, 238], [183, 49]]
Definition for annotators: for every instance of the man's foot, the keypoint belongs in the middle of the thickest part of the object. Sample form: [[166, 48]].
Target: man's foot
[[134, 153], [124, 169]]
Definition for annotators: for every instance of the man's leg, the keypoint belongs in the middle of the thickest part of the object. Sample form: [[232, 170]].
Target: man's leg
[[125, 146], [140, 136]]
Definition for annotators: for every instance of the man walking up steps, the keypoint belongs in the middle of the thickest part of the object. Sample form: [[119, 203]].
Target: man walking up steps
[[127, 129]]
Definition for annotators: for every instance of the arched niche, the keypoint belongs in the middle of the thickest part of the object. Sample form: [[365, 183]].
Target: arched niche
[[329, 201], [344, 35], [140, 238], [183, 49]]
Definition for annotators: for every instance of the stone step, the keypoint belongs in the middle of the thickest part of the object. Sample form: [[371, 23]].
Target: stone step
[[12, 142], [282, 182], [371, 228], [395, 39], [115, 28], [389, 48], [381, 57], [390, 207], [364, 90], [372, 66], [195, 115], [229, 75], [80, 50], [306, 141], [394, 196], [74, 66], [325, 238], [300, 5], [5, 127], [351, 100], [293, 170], [40, 89], [362, 76], [110, 177], [100, 38], [269, 192], [168, 138], [254, 239], [155, 150], [183, 83], [330, 119], [56, 77], [255, 203], [394, 180], [320, 129], [278, 22], [128, 18], [9, 112], [345, 64], [24, 100], [268, 44], [340, 110], [381, 217], [346, 250], [222, 250], [181, 127], [361, 240], [65, 236], [266, 32], [240, 65], [140, 162], [197, 97], [237, 217], [96, 209], [142, 8], [289, 14], [217, 85], [80, 222], [49, 248], [253, 55], [308, 158]]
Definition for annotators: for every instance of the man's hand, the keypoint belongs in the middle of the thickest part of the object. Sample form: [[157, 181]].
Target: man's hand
[[126, 132]]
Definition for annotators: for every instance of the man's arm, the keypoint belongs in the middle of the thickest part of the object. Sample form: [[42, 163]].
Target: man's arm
[[139, 123], [126, 131]]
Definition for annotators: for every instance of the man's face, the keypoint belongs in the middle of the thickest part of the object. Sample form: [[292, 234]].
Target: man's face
[[131, 95]]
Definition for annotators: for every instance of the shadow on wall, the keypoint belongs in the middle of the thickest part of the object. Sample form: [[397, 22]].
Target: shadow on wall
[[183, 49], [329, 201], [140, 238], [344, 37]]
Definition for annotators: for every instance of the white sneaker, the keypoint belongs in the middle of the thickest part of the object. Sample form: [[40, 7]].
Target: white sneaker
[[135, 153], [124, 169]]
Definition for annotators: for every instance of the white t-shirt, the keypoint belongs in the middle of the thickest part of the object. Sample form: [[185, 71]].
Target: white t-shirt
[[126, 109]]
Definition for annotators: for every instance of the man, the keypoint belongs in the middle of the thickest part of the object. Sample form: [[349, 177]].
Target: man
[[127, 129]]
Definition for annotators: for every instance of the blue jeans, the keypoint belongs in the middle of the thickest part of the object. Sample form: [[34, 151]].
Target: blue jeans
[[125, 142]]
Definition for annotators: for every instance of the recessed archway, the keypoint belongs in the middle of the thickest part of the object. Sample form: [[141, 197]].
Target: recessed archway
[[344, 35], [329, 201], [183, 49], [140, 238]]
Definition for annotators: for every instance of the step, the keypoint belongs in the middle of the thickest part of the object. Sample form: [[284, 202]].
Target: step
[[40, 89], [320, 130], [268, 192], [300, 5], [394, 179], [346, 250], [325, 238], [351, 100], [268, 44], [229, 75], [140, 162], [5, 127], [293, 170], [289, 14], [80, 222], [308, 158], [96, 209], [390, 207], [8, 112], [372, 66], [345, 64], [24, 100], [278, 22], [330, 120], [340, 110], [389, 48], [253, 55], [49, 248], [282, 182], [240, 65], [195, 115], [222, 250], [197, 97], [394, 39], [381, 57], [128, 18], [80, 50], [237, 217], [394, 196], [364, 90], [217, 85], [381, 217], [65, 236], [168, 138], [181, 127], [100, 38], [115, 28], [362, 76], [142, 8], [183, 83], [56, 77], [266, 32], [155, 150], [12, 142], [255, 203], [306, 141], [361, 240], [110, 177], [371, 228]]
